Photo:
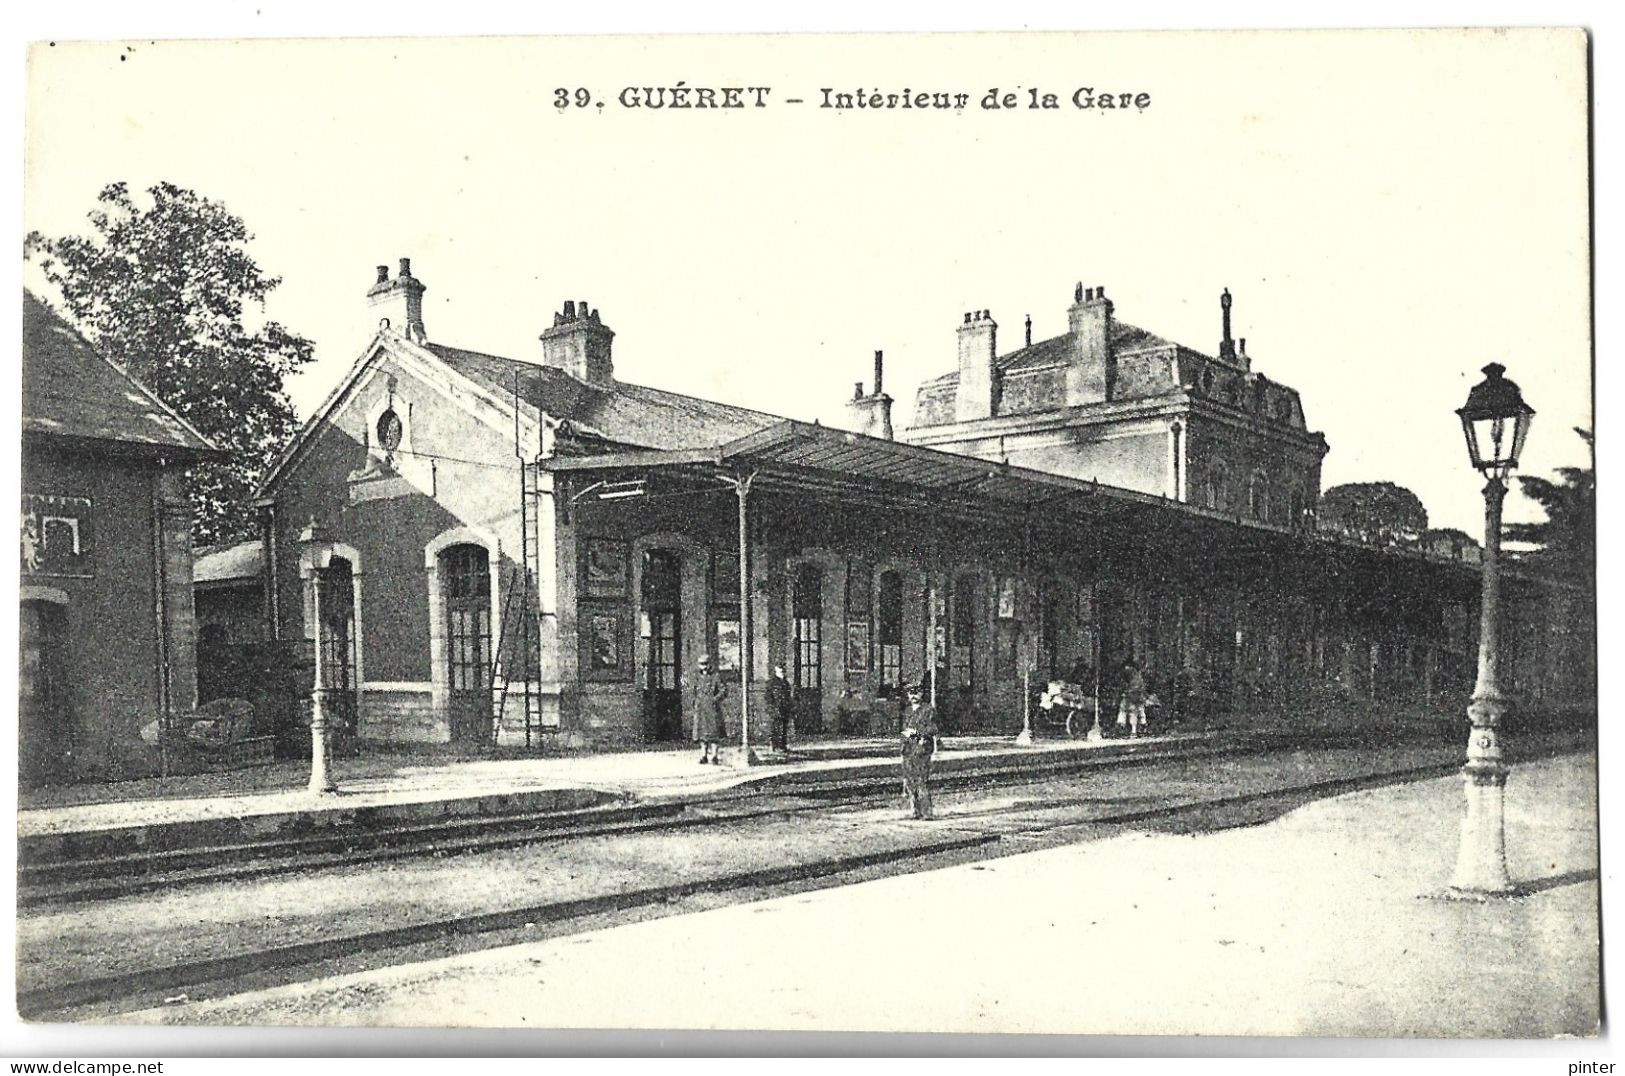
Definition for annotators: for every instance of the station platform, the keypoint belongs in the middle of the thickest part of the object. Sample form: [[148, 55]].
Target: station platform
[[388, 790]]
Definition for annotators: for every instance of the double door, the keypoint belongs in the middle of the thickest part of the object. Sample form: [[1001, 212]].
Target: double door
[[43, 717], [663, 670]]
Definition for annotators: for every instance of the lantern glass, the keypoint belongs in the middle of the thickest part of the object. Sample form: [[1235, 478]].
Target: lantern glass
[[1496, 422]]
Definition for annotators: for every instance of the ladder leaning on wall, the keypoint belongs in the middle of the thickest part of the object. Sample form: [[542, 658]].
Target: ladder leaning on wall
[[521, 636]]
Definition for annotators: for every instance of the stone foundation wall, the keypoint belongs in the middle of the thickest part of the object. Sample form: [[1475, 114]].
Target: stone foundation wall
[[511, 733], [401, 715]]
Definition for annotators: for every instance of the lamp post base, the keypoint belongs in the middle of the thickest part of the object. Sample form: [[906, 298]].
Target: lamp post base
[[1481, 863], [320, 783], [321, 778], [741, 757]]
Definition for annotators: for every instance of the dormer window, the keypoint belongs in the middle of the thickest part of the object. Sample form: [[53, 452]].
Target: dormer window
[[1258, 496], [394, 466], [1215, 490]]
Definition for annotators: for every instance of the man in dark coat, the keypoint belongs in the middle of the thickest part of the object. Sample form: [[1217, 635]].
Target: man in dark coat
[[709, 691], [778, 708], [919, 737]]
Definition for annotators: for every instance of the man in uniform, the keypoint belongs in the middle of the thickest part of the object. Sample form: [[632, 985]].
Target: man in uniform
[[918, 742], [778, 708]]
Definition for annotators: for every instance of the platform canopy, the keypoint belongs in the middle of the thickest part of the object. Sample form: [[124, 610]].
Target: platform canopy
[[810, 461]]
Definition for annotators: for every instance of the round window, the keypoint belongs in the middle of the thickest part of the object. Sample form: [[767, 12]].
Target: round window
[[389, 431]]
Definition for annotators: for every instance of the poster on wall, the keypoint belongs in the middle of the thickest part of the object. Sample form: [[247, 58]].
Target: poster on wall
[[606, 574], [604, 654], [724, 577], [728, 651], [857, 646], [55, 535]]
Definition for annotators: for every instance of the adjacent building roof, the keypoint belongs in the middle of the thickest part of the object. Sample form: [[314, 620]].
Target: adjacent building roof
[[631, 414], [69, 390], [221, 565], [1057, 351]]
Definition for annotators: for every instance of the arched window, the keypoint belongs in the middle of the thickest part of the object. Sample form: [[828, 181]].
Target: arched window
[[889, 632], [807, 603], [1258, 496], [337, 581], [663, 612], [465, 589]]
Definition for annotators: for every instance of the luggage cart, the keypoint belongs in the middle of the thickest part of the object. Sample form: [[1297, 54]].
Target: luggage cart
[[1068, 708]]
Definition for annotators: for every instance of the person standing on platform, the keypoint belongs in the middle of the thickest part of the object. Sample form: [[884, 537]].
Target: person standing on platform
[[778, 708], [709, 691], [919, 738], [1133, 696]]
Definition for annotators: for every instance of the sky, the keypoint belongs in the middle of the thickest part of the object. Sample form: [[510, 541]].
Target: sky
[[1391, 209]]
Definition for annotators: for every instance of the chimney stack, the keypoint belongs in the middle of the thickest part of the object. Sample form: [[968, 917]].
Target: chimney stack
[[871, 415], [1091, 375], [1227, 346], [579, 344], [978, 393], [400, 300]]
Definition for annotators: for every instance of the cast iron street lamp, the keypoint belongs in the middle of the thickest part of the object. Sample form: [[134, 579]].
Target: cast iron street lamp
[[1496, 421], [313, 540]]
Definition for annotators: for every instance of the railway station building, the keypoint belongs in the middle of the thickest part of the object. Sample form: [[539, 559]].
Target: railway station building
[[527, 552], [106, 629]]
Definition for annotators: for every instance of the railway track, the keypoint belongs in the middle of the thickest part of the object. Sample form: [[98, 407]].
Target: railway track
[[955, 840], [110, 876]]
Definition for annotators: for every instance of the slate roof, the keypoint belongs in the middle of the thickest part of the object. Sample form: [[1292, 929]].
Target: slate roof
[[71, 391], [631, 414], [228, 564], [1057, 350]]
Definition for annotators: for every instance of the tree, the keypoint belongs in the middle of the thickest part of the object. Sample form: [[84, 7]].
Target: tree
[[1566, 541], [1377, 513], [160, 289], [1451, 542]]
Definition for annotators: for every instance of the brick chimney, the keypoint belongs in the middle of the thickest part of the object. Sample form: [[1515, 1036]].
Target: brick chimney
[[1227, 346], [579, 344], [871, 414], [400, 300], [978, 395], [1092, 374]]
